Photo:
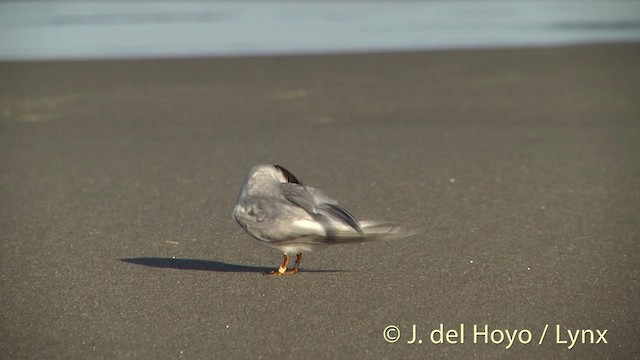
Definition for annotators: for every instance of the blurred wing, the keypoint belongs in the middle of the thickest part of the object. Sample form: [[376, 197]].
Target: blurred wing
[[298, 195], [270, 219], [373, 231], [336, 212], [315, 202]]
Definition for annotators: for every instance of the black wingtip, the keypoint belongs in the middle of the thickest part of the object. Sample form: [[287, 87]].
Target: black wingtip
[[288, 175], [344, 215]]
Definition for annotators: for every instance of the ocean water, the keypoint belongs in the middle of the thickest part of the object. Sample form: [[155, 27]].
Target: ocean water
[[32, 30]]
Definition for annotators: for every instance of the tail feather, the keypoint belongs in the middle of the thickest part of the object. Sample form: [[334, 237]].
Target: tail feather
[[383, 231], [371, 231]]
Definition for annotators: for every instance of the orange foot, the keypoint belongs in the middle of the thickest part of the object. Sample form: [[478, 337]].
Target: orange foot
[[280, 273], [282, 270]]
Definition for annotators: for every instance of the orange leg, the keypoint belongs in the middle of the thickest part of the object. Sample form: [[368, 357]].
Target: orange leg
[[296, 267], [282, 269]]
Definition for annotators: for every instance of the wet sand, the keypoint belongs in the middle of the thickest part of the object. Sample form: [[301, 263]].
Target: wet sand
[[519, 168]]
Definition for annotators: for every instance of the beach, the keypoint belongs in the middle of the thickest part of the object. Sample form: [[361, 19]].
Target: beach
[[517, 169]]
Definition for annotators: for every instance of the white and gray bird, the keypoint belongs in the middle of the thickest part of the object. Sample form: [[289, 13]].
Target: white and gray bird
[[277, 210]]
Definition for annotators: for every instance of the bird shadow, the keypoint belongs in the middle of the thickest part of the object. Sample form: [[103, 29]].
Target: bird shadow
[[207, 265]]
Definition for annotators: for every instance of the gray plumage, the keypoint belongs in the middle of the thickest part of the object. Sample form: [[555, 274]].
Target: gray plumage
[[278, 210]]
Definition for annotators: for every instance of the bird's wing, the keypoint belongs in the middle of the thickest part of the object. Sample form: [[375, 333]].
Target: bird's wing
[[337, 212], [373, 231], [299, 196], [271, 219], [317, 203]]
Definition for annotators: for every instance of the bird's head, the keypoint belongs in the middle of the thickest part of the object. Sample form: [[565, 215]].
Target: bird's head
[[265, 176]]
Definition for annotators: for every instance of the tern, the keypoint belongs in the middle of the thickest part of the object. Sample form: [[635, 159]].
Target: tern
[[276, 209]]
